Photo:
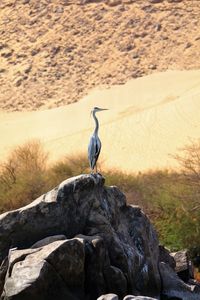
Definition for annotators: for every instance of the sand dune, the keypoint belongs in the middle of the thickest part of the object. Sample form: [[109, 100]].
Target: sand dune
[[148, 118]]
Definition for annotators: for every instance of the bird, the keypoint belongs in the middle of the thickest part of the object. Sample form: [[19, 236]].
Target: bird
[[94, 146]]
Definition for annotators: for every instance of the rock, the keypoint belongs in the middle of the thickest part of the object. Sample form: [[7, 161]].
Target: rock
[[35, 51], [52, 272], [55, 50], [155, 1], [152, 67], [27, 68], [158, 27], [7, 53], [128, 297], [173, 286], [48, 240], [188, 45], [108, 297], [181, 259], [184, 267], [116, 280], [135, 56], [59, 9], [131, 297], [125, 46], [96, 261], [174, 1], [166, 257], [118, 240], [3, 270], [113, 2], [65, 2], [3, 45], [18, 81], [196, 260], [195, 284]]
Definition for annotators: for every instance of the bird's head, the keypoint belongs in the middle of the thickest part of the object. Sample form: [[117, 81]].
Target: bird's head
[[97, 109]]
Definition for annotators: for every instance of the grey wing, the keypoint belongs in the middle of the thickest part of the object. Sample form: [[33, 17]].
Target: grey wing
[[98, 147], [93, 151]]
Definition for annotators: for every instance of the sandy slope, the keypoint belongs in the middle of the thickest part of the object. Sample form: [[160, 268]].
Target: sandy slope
[[148, 118], [53, 52]]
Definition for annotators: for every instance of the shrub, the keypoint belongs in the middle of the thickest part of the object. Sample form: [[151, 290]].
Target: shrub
[[67, 167], [189, 194], [22, 175]]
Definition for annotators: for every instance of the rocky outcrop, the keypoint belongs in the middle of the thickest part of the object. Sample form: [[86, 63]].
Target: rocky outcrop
[[167, 257], [81, 241], [174, 287], [55, 270]]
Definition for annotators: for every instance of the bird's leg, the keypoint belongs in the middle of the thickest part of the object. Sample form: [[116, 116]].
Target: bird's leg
[[97, 171], [96, 168]]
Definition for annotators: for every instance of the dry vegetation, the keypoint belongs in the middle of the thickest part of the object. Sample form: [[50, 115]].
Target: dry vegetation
[[170, 199], [53, 52]]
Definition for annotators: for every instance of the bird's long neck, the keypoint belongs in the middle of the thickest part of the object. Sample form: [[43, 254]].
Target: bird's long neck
[[96, 122]]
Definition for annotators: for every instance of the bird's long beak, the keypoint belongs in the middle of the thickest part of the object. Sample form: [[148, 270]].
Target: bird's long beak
[[103, 109]]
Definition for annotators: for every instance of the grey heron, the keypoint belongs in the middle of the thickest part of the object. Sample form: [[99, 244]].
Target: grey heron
[[94, 146]]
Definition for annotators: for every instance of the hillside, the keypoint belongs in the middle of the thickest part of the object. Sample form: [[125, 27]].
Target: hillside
[[53, 52]]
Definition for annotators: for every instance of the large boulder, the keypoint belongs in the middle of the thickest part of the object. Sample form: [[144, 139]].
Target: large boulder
[[80, 241], [43, 272], [167, 257], [174, 288], [184, 267]]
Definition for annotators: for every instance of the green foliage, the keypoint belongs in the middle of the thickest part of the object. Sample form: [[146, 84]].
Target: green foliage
[[163, 195]]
